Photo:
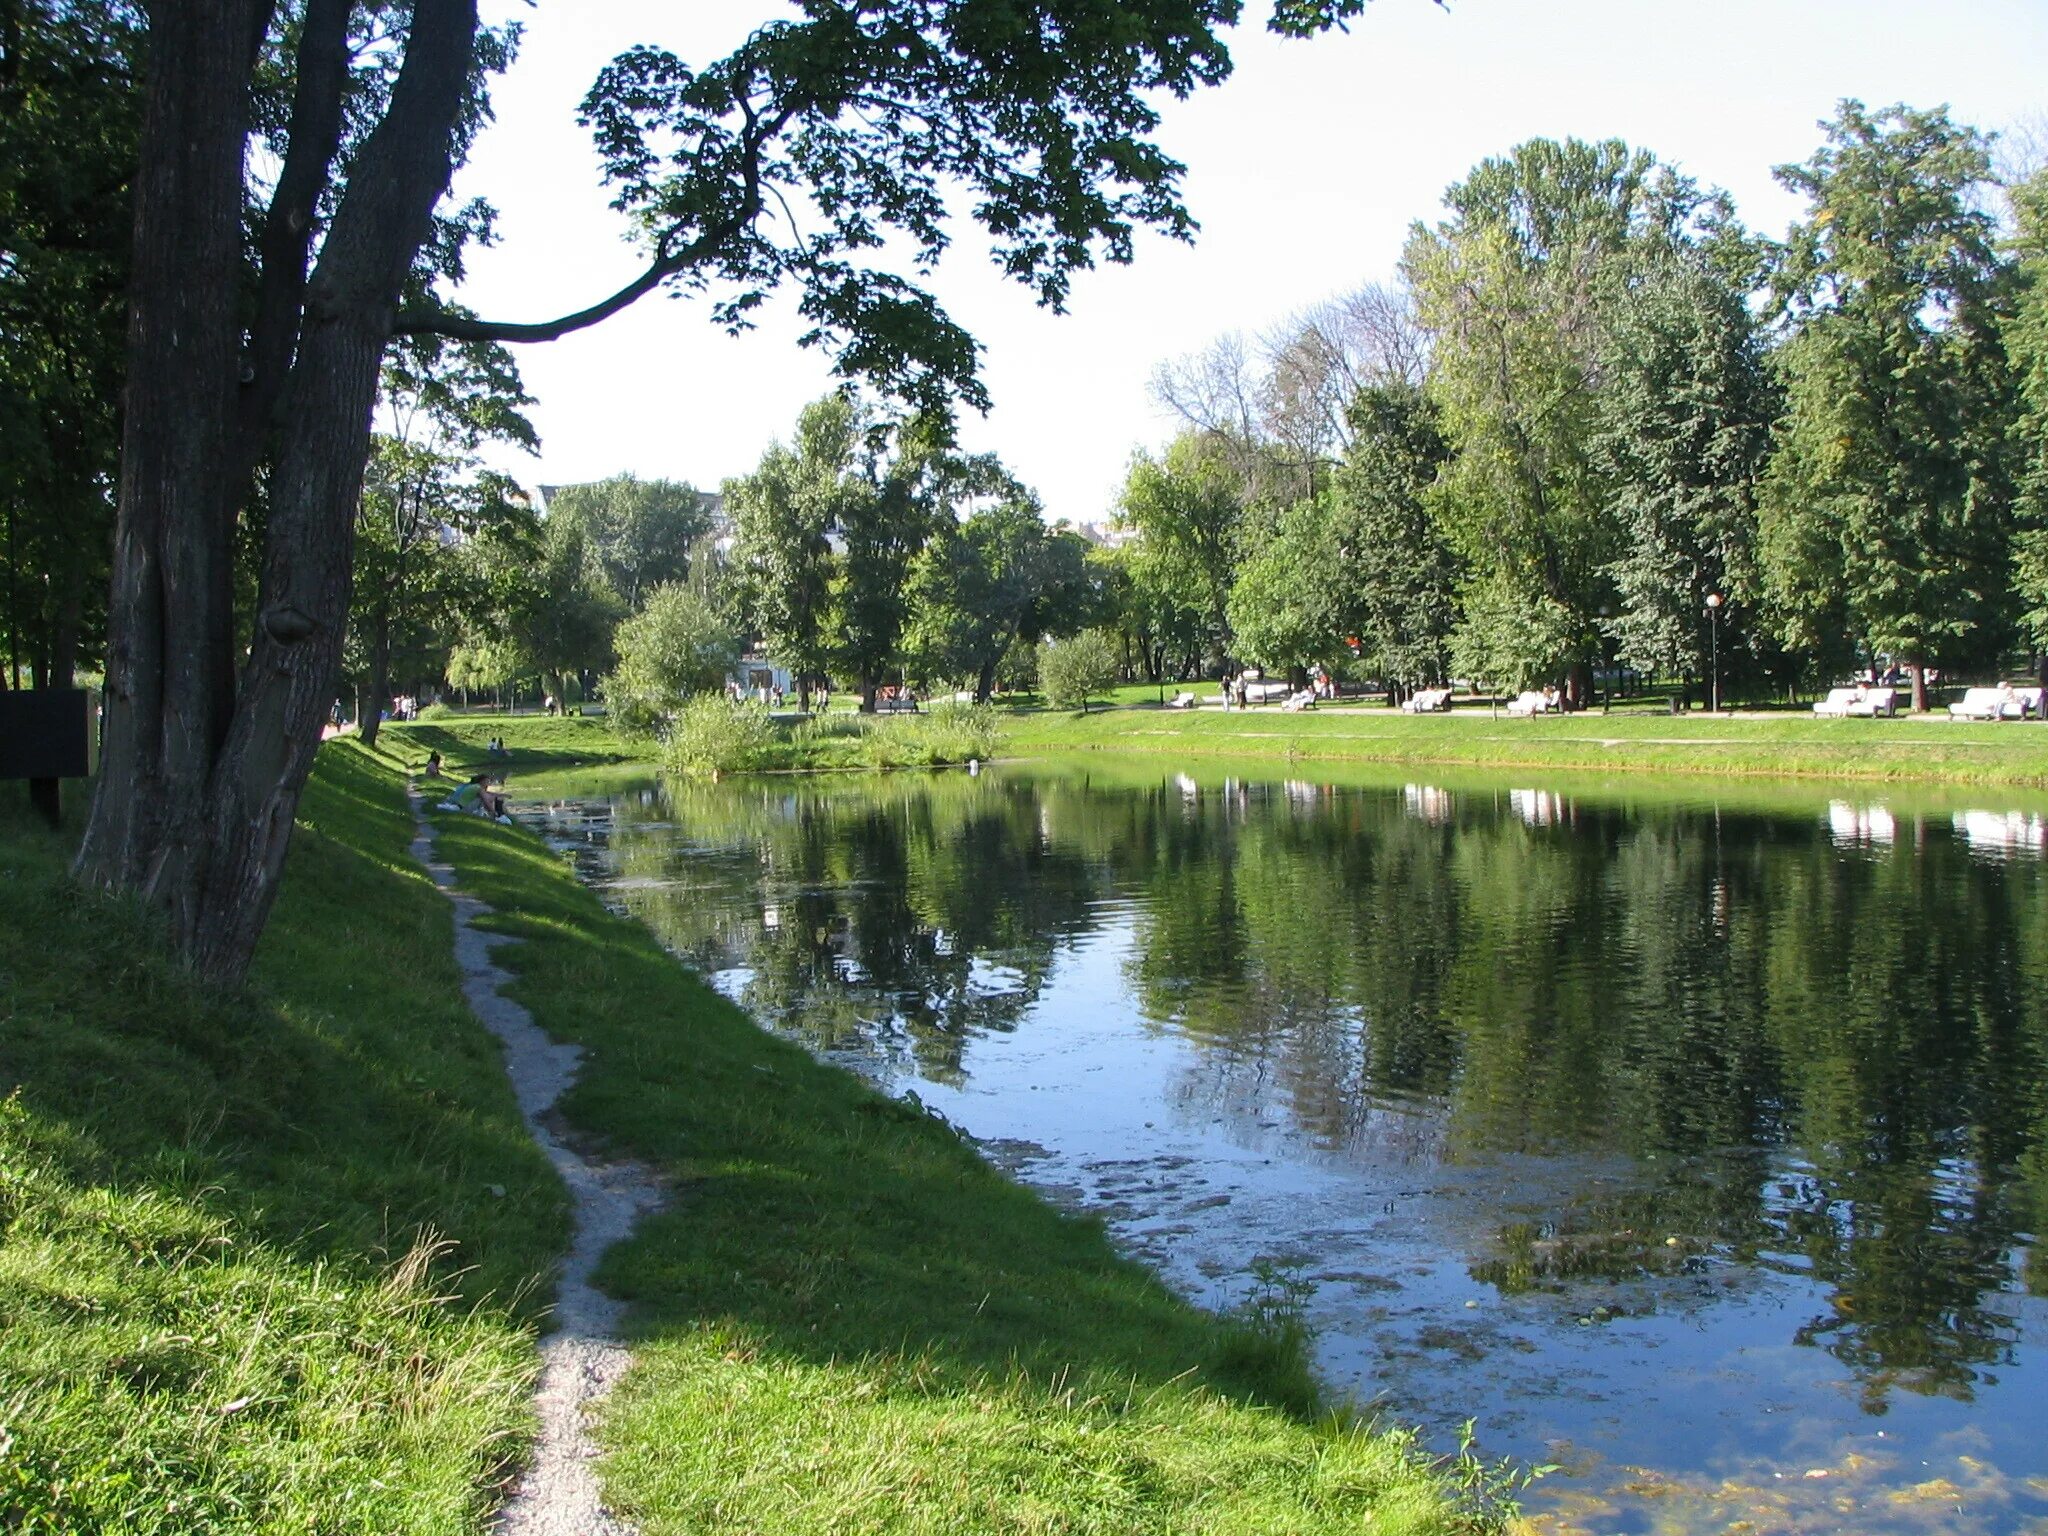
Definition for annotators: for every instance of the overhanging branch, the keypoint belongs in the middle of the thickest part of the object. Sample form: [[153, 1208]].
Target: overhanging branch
[[667, 262], [437, 322]]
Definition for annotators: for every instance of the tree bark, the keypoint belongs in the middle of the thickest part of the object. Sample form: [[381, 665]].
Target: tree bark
[[200, 779], [380, 675], [302, 604], [169, 673]]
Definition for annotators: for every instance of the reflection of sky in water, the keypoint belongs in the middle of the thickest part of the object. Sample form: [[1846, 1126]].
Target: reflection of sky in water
[[1590, 1302]]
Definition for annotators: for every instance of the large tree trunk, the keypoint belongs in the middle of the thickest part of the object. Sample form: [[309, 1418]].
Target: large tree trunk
[[197, 808], [302, 605], [170, 627], [1919, 675], [380, 675]]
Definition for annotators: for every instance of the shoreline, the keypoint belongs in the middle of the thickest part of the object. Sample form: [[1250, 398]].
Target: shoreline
[[845, 1317], [1644, 745]]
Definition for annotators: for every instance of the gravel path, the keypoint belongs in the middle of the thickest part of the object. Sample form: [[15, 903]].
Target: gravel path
[[557, 1495]]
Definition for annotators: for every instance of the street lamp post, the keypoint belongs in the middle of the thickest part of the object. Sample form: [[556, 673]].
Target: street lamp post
[[1714, 648]]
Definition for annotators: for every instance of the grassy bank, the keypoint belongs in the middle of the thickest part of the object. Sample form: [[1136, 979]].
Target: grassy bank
[[1743, 745], [1926, 750], [847, 1322], [267, 1261]]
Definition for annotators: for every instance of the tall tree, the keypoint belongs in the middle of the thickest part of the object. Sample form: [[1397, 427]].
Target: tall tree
[[247, 350], [2026, 343], [1187, 512], [1681, 435], [998, 579], [912, 482], [1889, 483], [1291, 605], [68, 125], [782, 561], [421, 493], [641, 532], [1511, 288], [1402, 571]]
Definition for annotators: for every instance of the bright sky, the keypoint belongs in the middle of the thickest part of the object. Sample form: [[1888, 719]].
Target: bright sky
[[1305, 170]]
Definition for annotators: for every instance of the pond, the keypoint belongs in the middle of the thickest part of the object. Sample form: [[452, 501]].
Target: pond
[[1690, 1141]]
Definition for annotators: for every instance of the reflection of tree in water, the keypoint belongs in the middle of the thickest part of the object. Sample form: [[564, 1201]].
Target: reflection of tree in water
[[1828, 1062], [903, 914], [1705, 992]]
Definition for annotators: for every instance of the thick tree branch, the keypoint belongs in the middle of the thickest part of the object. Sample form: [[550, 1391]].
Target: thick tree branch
[[437, 322], [315, 136], [667, 262]]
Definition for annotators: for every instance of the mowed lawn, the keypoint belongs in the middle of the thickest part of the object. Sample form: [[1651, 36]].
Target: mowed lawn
[[1764, 743]]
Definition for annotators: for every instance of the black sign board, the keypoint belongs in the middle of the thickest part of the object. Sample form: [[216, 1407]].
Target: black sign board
[[49, 733]]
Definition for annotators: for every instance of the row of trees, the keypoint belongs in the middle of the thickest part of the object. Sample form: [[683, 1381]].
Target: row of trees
[[238, 206], [867, 550], [1599, 400]]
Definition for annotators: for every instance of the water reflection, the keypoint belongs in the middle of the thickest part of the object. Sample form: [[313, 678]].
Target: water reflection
[[1733, 1090]]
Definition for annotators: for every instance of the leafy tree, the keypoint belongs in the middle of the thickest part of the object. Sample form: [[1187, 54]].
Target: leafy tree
[[1511, 288], [999, 579], [2026, 343], [678, 645], [69, 120], [782, 565], [249, 352], [566, 622], [488, 662], [1512, 637], [1188, 515], [641, 532], [421, 495], [1400, 569], [1889, 484], [1681, 435], [912, 483], [1289, 606], [1070, 670]]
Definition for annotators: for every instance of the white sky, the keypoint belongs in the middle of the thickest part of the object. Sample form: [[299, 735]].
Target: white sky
[[1305, 170]]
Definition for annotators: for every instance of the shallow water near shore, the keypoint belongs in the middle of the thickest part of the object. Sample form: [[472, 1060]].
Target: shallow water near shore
[[1695, 1144]]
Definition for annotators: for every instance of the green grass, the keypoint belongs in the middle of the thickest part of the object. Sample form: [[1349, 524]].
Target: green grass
[[532, 742], [847, 1322], [1631, 741], [267, 1260], [1787, 745]]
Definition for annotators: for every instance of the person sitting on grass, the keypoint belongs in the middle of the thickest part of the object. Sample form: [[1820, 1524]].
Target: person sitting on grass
[[477, 798], [433, 768]]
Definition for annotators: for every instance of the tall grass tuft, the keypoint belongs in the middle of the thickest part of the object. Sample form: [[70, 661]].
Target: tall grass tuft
[[712, 735]]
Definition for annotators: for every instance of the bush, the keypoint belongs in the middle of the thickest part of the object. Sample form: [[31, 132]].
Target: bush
[[712, 735], [675, 647], [956, 733], [1070, 670], [948, 733]]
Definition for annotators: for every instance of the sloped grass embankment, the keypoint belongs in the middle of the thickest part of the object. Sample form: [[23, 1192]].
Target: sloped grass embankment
[[268, 1262], [847, 1322]]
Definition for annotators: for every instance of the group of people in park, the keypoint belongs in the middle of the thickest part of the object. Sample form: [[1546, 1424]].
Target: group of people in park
[[482, 794]]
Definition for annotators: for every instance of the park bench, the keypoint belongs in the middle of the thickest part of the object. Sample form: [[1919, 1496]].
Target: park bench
[[1857, 700]]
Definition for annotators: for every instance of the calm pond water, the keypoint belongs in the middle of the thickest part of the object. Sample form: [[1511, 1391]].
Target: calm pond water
[[1693, 1141]]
